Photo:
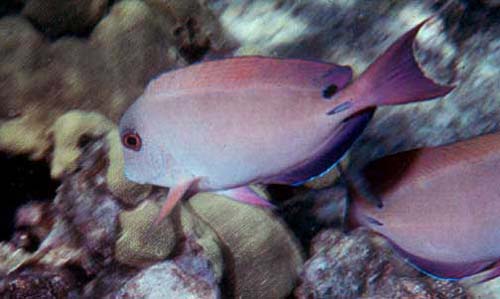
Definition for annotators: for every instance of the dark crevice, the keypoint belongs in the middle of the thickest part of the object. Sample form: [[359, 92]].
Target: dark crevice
[[297, 214], [190, 46], [80, 275], [194, 53], [59, 26], [281, 193], [23, 181], [466, 18], [24, 239], [52, 36], [10, 7], [85, 140]]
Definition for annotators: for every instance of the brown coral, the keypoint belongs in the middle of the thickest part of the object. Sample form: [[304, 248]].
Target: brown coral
[[104, 73]]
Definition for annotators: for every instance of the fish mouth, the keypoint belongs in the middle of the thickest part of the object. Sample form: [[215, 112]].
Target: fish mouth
[[129, 177]]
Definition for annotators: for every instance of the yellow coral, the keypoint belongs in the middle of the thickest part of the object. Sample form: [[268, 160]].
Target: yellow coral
[[141, 243], [67, 132], [25, 135], [265, 258], [122, 188]]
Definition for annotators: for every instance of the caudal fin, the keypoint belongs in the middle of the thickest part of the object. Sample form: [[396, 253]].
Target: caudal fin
[[396, 78]]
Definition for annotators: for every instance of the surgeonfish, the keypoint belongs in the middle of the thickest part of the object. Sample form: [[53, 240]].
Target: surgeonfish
[[441, 206], [222, 125]]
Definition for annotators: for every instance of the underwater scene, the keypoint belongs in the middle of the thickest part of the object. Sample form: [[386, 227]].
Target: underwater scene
[[250, 149]]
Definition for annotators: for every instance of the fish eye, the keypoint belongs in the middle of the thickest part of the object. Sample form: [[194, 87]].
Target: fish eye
[[132, 141]]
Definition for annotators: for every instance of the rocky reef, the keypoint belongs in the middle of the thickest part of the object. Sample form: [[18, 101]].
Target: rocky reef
[[76, 228]]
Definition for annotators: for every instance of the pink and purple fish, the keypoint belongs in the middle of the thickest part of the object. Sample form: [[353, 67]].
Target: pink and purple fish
[[224, 124], [441, 206]]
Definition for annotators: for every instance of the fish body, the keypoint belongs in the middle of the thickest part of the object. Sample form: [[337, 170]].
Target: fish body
[[224, 124], [240, 129], [441, 205]]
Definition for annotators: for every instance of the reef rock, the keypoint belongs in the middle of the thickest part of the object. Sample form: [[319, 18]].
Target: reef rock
[[360, 265], [39, 283], [187, 276]]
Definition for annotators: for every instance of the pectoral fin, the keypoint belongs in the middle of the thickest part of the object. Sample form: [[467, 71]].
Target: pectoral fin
[[246, 195], [175, 194]]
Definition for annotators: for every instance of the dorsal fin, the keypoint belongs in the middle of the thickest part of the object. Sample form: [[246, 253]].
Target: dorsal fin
[[240, 72]]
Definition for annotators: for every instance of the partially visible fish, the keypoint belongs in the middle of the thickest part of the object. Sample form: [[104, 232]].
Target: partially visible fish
[[441, 206], [221, 125]]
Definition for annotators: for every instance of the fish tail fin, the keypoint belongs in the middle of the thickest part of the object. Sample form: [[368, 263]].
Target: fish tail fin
[[396, 78]]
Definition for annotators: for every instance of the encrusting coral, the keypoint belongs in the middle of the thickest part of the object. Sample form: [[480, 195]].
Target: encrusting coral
[[253, 240], [141, 244]]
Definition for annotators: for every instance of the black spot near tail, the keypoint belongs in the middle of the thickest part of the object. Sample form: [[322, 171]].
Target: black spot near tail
[[329, 91]]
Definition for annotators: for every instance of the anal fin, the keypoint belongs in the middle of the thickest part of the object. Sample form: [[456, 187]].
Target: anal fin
[[444, 270], [246, 195], [336, 147]]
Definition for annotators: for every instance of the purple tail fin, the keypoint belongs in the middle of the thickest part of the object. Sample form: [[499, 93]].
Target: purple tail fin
[[395, 77]]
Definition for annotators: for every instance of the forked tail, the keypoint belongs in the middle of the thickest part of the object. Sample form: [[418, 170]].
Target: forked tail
[[396, 78]]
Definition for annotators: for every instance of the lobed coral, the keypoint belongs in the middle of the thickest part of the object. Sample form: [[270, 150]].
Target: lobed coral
[[104, 73]]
